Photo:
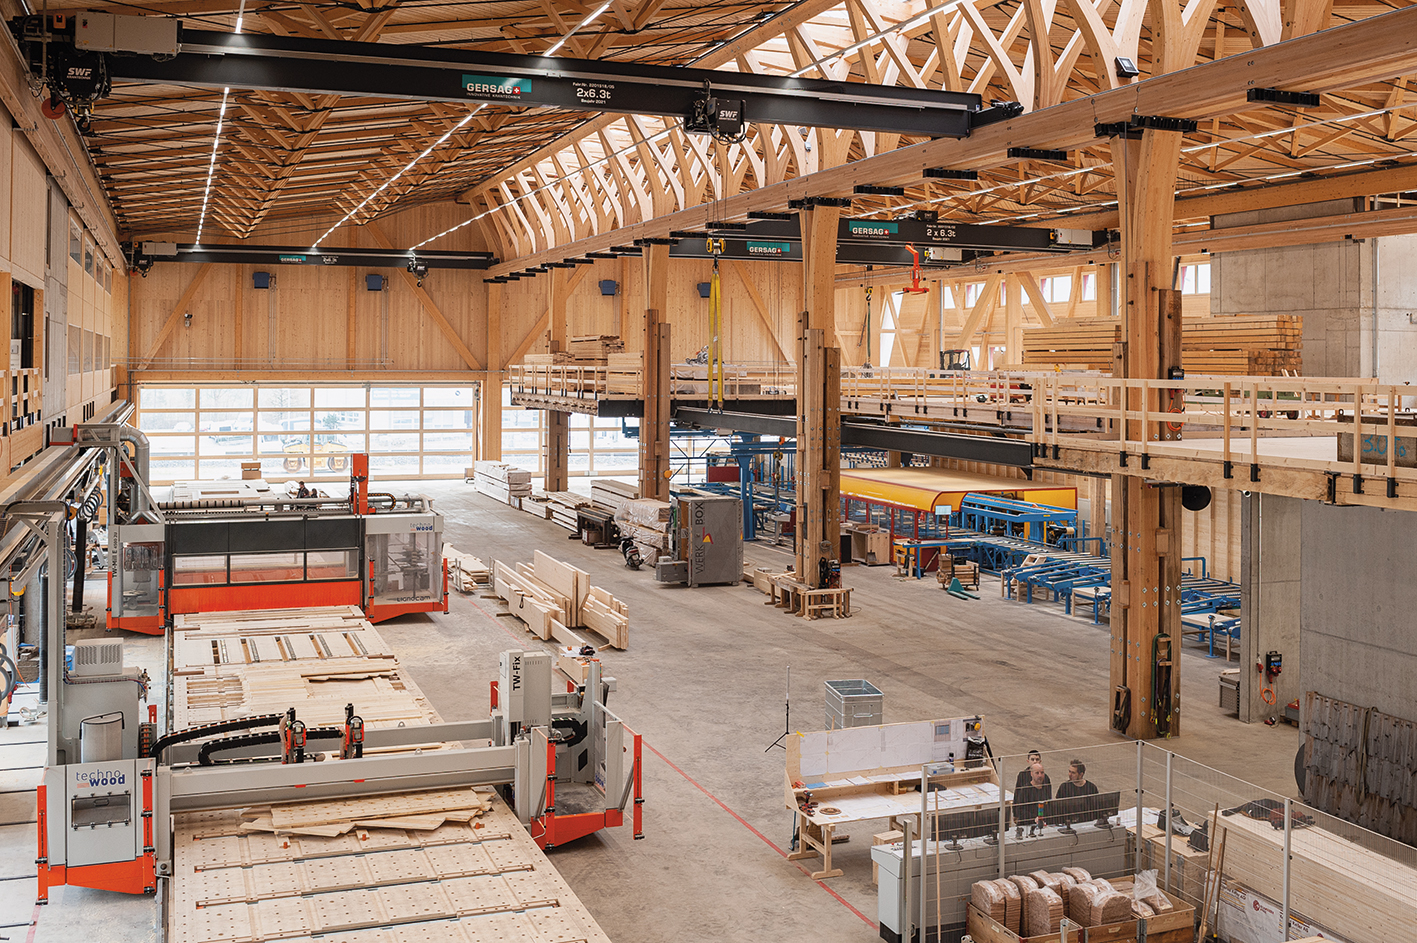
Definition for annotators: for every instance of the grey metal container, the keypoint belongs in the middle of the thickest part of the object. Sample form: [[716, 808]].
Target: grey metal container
[[711, 539], [101, 738], [854, 703]]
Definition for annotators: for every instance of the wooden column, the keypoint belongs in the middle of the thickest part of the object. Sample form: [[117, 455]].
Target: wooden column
[[490, 415], [350, 335], [1097, 512], [654, 424], [1146, 520], [1013, 322], [558, 424], [818, 400]]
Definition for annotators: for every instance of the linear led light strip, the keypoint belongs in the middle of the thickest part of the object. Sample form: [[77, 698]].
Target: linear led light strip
[[578, 27], [406, 168], [902, 25], [216, 138]]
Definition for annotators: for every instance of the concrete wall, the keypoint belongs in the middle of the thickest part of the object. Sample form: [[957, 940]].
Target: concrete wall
[[1270, 598], [1333, 285], [1358, 597]]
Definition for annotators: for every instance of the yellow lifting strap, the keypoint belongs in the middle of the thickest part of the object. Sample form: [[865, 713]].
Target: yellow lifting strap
[[715, 364]]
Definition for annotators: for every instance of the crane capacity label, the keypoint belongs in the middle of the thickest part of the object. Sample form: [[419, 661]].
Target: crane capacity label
[[594, 93], [496, 86]]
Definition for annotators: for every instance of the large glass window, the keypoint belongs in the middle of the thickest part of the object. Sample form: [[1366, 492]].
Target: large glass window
[[267, 567], [310, 432], [195, 571]]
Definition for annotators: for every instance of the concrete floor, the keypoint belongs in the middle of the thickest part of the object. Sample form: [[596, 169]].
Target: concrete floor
[[703, 682]]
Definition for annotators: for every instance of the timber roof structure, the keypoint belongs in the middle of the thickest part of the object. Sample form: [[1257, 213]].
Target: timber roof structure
[[542, 181]]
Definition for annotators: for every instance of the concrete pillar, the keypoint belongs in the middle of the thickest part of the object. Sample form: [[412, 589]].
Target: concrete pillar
[[1270, 571], [1356, 296]]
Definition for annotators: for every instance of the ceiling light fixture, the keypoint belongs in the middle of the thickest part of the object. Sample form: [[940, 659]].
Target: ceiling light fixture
[[406, 167], [578, 27], [216, 139]]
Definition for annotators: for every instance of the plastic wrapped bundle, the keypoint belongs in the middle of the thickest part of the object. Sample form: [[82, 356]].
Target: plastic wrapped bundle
[[1044, 910], [988, 898], [1081, 900], [1142, 909], [1111, 907], [1078, 874], [1013, 904]]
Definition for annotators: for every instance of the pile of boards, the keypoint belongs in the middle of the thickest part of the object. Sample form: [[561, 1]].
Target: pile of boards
[[553, 598], [1035, 904], [505, 483], [610, 494], [1259, 345], [559, 507], [465, 572], [584, 350], [622, 373], [420, 812], [646, 521]]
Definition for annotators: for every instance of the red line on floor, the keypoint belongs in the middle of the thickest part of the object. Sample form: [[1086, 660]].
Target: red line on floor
[[34, 925], [768, 841], [496, 621]]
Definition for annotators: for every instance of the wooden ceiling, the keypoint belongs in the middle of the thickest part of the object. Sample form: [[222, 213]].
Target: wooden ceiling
[[538, 178]]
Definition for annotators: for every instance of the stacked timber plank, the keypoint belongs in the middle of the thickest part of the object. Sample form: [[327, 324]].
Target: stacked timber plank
[[561, 507], [622, 373], [1259, 345], [595, 348], [505, 483], [553, 597], [609, 494], [465, 572], [558, 358], [646, 522], [230, 665]]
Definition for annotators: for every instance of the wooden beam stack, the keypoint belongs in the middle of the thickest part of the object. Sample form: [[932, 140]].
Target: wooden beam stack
[[1260, 345], [646, 521], [552, 597], [595, 348], [465, 572], [609, 494], [505, 483], [560, 358], [622, 373], [561, 507]]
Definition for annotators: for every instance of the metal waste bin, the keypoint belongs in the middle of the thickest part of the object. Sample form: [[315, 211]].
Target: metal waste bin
[[101, 738], [854, 703]]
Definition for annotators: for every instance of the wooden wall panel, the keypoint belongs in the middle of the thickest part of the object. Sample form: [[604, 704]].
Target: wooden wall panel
[[7, 135], [28, 225]]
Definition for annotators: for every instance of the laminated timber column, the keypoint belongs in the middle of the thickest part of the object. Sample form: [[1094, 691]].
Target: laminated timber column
[[654, 377], [818, 400], [1146, 520], [558, 432], [490, 415]]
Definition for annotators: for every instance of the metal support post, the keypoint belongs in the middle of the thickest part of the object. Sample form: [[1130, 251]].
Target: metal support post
[[1166, 877], [924, 830], [906, 831], [54, 624], [1288, 861], [1137, 828]]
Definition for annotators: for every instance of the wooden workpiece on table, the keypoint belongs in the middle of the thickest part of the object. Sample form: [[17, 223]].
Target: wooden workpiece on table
[[797, 598]]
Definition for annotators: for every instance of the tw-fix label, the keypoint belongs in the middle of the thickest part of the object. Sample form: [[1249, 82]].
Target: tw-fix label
[[871, 227], [496, 86], [769, 248]]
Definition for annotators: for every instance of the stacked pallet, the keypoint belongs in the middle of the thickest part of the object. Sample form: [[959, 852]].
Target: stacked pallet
[[1260, 345], [465, 572], [595, 348], [552, 597], [622, 373], [505, 483], [609, 494], [646, 522]]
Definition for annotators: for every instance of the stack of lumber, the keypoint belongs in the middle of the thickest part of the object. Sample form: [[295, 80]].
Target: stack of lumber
[[553, 597], [505, 483], [761, 578], [622, 373], [646, 521], [1042, 912], [547, 360], [595, 347], [1000, 900], [610, 494], [420, 812], [1259, 345], [465, 571], [607, 616], [561, 507]]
